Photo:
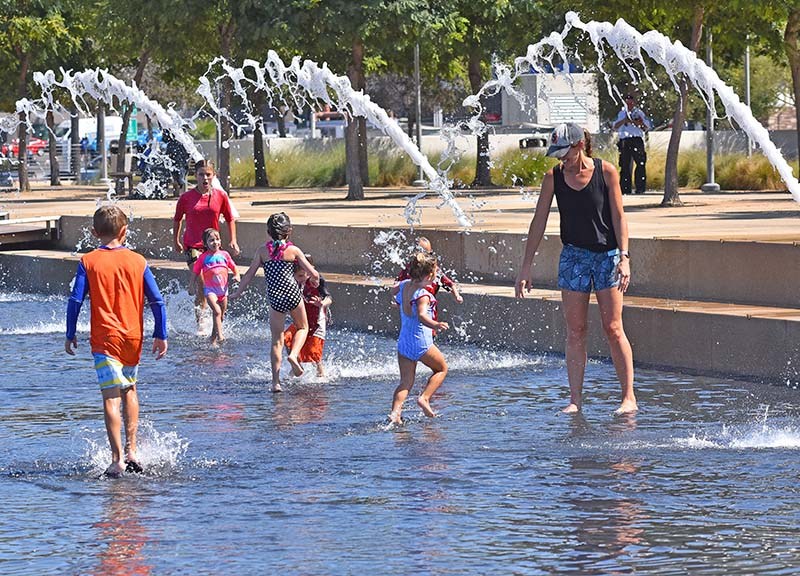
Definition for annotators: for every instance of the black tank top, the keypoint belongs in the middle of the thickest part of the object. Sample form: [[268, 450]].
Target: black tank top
[[585, 214]]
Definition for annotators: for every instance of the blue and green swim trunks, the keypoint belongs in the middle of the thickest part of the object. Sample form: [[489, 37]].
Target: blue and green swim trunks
[[581, 270], [111, 373]]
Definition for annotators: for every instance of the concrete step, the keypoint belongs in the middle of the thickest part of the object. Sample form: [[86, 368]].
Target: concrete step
[[740, 272], [745, 341]]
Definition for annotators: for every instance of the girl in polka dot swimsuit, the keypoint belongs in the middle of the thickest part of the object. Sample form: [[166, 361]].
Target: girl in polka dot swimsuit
[[283, 293]]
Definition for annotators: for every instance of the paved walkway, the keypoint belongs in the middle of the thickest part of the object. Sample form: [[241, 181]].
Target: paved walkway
[[762, 216]]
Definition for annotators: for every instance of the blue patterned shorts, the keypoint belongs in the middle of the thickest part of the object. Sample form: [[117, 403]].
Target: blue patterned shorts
[[111, 373], [581, 270]]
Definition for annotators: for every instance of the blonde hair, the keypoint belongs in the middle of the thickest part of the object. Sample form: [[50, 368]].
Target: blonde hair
[[422, 265]]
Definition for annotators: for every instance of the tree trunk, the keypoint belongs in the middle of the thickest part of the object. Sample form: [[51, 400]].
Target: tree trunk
[[483, 176], [355, 186], [281, 121], [363, 159], [22, 134], [74, 145], [352, 139], [224, 169], [259, 160], [791, 40], [52, 150], [122, 142], [671, 196]]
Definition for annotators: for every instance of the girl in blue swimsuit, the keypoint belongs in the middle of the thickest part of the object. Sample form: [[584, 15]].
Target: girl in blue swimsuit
[[283, 293], [415, 343]]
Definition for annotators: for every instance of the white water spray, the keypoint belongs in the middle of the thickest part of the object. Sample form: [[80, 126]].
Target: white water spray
[[629, 44], [303, 82]]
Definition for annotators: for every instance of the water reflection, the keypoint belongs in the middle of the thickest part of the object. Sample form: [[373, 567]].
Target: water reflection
[[123, 532], [609, 519], [302, 404]]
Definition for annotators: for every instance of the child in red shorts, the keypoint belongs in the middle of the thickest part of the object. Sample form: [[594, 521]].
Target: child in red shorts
[[317, 300]]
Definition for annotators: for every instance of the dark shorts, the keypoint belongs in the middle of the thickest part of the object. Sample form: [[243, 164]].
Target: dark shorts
[[581, 270], [192, 254]]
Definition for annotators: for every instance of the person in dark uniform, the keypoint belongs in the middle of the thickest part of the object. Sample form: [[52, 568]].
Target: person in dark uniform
[[631, 125]]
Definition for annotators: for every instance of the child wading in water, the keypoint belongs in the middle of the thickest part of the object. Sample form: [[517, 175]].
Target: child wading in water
[[317, 301], [415, 344], [213, 267], [283, 292], [117, 281], [439, 281]]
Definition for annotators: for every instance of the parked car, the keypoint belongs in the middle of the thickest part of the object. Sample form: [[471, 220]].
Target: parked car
[[540, 138], [35, 146]]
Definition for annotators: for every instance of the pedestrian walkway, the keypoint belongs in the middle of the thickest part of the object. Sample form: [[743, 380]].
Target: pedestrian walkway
[[754, 216]]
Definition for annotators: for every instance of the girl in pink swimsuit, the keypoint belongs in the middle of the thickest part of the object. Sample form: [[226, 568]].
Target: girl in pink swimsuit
[[213, 266]]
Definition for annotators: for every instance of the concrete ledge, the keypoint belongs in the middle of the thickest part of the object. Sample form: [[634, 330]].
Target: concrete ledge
[[743, 341], [759, 273]]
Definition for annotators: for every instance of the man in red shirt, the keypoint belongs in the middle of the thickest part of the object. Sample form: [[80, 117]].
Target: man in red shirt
[[202, 207]]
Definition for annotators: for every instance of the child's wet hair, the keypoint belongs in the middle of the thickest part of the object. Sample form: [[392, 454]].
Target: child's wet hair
[[279, 226], [109, 220], [422, 265], [207, 234]]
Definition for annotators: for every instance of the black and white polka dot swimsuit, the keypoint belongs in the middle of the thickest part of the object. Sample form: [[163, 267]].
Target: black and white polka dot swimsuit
[[283, 291]]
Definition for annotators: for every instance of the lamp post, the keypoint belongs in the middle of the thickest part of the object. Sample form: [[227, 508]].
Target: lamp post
[[418, 85], [710, 185]]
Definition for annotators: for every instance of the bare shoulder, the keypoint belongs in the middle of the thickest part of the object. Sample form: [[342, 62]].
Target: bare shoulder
[[608, 168]]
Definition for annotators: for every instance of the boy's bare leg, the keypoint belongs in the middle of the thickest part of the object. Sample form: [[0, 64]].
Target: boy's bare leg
[[434, 360], [276, 320], [320, 369], [408, 370], [113, 421], [130, 417], [299, 338]]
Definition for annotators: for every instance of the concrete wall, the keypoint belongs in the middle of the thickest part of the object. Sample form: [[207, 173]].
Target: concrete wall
[[763, 349], [759, 273]]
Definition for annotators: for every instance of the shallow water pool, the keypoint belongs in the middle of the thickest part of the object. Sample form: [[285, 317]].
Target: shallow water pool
[[240, 481]]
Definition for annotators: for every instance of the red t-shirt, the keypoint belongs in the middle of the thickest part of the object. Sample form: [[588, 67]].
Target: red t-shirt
[[201, 212]]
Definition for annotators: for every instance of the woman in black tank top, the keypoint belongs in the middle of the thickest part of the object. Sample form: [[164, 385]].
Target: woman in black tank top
[[595, 255]]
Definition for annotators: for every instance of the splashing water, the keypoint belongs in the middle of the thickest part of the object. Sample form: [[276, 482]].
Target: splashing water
[[303, 82], [627, 43], [160, 453]]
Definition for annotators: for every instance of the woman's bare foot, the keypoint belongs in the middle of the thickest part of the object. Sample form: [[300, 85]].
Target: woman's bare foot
[[115, 470], [626, 407], [394, 418], [276, 387], [424, 403], [571, 409], [297, 369]]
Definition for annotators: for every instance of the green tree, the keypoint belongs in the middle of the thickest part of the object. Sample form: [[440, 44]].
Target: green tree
[[31, 32], [132, 35]]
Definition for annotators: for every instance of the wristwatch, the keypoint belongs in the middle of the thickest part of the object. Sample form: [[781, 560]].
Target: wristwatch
[[625, 253]]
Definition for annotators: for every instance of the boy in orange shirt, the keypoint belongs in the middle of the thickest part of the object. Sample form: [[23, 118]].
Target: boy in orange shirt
[[117, 281]]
